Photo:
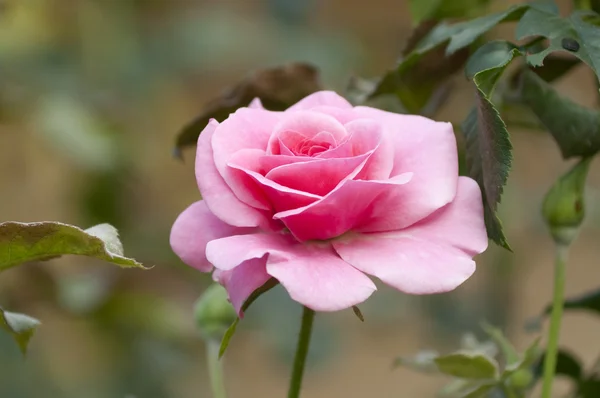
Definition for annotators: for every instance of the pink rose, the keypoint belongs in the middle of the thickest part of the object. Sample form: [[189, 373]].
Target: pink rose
[[324, 194]]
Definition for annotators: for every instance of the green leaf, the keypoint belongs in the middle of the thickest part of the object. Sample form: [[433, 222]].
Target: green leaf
[[20, 326], [421, 10], [270, 284], [465, 33], [358, 313], [480, 392], [418, 79], [556, 67], [39, 241], [467, 388], [588, 302], [575, 129], [277, 88], [488, 146], [566, 364], [468, 366], [573, 34], [508, 350], [423, 66]]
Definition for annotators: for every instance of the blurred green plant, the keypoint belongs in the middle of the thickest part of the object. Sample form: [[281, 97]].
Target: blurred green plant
[[481, 369], [26, 242]]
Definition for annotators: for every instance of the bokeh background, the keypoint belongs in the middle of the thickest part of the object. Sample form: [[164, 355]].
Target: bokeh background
[[92, 95]]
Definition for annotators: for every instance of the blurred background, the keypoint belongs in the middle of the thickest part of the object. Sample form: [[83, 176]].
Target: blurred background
[[92, 95]]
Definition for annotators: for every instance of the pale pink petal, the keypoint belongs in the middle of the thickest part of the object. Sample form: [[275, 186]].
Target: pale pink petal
[[318, 279], [303, 124], [245, 129], [313, 274], [276, 195], [428, 150], [256, 103], [216, 194], [319, 176], [459, 223], [321, 98], [343, 115], [193, 229], [432, 256], [408, 263], [244, 280], [351, 204]]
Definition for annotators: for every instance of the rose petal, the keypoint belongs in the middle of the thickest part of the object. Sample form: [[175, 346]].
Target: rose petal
[[342, 115], [312, 274], [244, 280], [245, 129], [428, 150], [431, 257], [277, 196], [304, 124], [409, 264], [193, 229], [459, 223], [327, 98], [216, 194], [256, 103], [351, 204]]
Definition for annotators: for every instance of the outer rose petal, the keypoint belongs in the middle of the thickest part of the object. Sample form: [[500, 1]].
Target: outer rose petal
[[244, 279], [327, 98], [312, 274], [216, 194], [432, 257], [460, 223], [428, 150], [245, 129], [256, 103], [193, 229]]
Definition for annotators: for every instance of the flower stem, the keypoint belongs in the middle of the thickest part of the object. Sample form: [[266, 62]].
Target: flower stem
[[308, 317], [555, 318], [215, 369]]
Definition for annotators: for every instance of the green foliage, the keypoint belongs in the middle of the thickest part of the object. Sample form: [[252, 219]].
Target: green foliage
[[466, 365], [422, 10], [24, 242], [214, 313], [277, 88], [477, 372], [588, 302], [40, 241], [575, 128], [573, 34], [270, 284], [587, 383], [566, 365], [418, 81], [564, 206], [433, 54], [21, 327], [488, 146]]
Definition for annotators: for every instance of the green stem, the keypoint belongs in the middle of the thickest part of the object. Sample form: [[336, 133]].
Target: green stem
[[308, 317], [215, 369], [560, 266]]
